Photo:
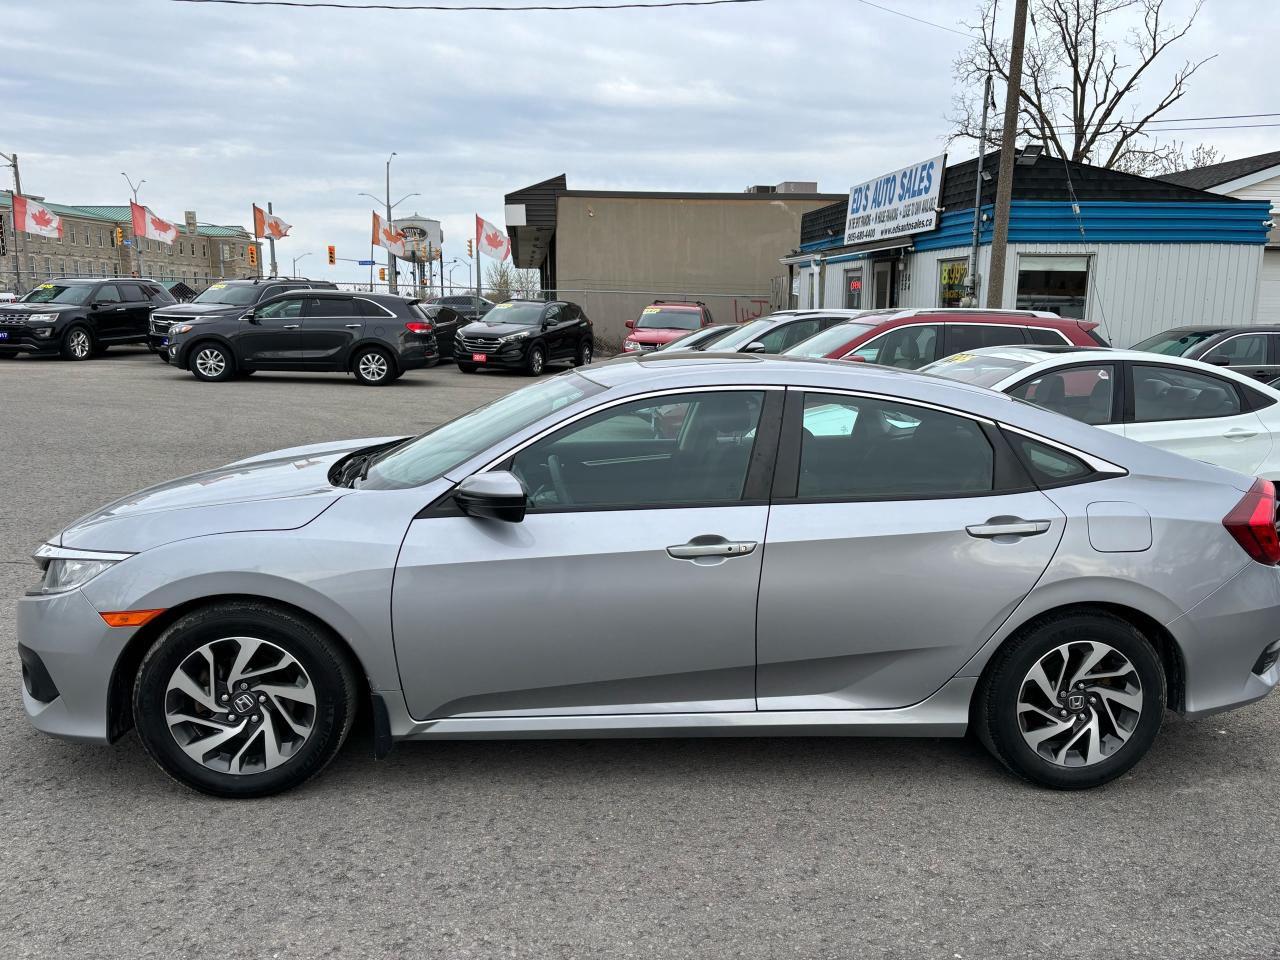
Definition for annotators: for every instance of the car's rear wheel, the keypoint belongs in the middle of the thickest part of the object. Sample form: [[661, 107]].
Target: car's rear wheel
[[1075, 701], [77, 343], [212, 362], [242, 699], [536, 362], [467, 367], [584, 354], [373, 367]]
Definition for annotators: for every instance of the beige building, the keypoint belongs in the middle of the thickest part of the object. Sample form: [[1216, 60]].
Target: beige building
[[615, 252], [89, 248]]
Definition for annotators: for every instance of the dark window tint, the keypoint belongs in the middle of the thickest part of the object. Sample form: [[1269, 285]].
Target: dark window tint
[[131, 292], [367, 308], [907, 347], [788, 335], [330, 307], [1081, 393], [1048, 465], [1255, 399], [552, 315], [1244, 350], [856, 447], [108, 293], [661, 452], [1166, 393], [271, 291], [280, 309], [160, 295], [963, 336], [1048, 337]]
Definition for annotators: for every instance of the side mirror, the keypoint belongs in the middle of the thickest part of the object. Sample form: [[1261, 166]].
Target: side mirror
[[250, 316], [755, 346], [631, 324], [1220, 362], [495, 496]]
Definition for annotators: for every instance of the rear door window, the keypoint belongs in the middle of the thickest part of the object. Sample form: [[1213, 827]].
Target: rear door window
[[132, 293], [108, 293], [1168, 393], [1084, 393], [907, 347], [962, 337], [1046, 336], [330, 307]]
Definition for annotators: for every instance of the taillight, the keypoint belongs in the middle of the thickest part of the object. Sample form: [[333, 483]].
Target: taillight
[[417, 326], [1253, 523]]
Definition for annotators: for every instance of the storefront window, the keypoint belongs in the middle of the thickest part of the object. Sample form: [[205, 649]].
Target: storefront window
[[1058, 284], [853, 289], [951, 277]]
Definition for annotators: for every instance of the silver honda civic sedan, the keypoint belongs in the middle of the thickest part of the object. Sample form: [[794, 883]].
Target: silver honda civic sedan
[[675, 545]]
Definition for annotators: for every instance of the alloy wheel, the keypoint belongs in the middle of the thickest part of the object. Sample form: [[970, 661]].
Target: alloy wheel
[[535, 362], [585, 354], [1079, 703], [79, 344], [211, 362], [373, 366], [240, 705]]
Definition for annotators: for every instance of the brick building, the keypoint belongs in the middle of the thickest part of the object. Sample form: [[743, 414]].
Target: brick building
[[88, 248]]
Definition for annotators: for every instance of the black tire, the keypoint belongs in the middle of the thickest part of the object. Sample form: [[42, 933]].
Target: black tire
[[77, 343], [536, 360], [584, 354], [211, 362], [332, 680], [467, 367], [996, 716], [373, 367]]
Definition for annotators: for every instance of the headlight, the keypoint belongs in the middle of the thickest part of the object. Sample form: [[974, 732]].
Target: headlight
[[513, 336], [183, 328], [66, 569], [630, 345]]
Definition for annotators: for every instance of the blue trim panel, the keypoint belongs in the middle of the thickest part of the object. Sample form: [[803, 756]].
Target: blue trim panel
[[1105, 221]]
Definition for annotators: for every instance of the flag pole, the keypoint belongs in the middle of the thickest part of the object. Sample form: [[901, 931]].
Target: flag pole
[[478, 293], [271, 241]]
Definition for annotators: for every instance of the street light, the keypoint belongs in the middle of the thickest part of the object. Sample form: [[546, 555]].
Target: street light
[[454, 264], [294, 272], [137, 245]]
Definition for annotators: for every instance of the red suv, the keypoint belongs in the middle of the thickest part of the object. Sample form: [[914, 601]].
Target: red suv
[[912, 338], [663, 321]]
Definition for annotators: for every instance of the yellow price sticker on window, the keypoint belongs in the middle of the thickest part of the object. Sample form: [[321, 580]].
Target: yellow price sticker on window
[[958, 358], [217, 286], [46, 286], [651, 310]]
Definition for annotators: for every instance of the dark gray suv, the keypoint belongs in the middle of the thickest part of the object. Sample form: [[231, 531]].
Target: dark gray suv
[[225, 297]]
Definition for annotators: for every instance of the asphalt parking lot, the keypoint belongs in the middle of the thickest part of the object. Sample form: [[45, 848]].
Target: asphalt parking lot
[[807, 848]]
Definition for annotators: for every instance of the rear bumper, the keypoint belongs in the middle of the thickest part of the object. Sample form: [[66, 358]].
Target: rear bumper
[[1222, 638]]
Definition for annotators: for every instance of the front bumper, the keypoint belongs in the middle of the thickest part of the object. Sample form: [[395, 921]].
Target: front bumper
[[77, 652], [1222, 638], [22, 339], [510, 357]]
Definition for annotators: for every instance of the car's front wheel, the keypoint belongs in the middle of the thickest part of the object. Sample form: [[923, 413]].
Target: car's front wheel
[[77, 344], [1073, 702], [536, 361], [243, 699], [212, 362]]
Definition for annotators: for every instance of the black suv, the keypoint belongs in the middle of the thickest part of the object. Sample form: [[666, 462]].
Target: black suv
[[1253, 351], [472, 308], [226, 298], [526, 335], [375, 336], [79, 318]]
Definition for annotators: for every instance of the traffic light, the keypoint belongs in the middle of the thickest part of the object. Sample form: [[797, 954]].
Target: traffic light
[[333, 254], [469, 253], [253, 254], [119, 236], [382, 273]]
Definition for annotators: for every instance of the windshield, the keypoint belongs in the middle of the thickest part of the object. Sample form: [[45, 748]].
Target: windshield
[[664, 318], [699, 339], [975, 368], [237, 296], [439, 450], [1175, 343], [832, 338], [524, 314], [59, 293], [744, 334]]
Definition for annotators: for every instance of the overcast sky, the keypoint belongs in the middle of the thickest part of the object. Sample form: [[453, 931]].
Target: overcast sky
[[219, 107]]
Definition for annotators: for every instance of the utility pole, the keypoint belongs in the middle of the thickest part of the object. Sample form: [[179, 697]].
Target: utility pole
[[12, 160], [137, 242], [1004, 186], [271, 242], [971, 281], [391, 257]]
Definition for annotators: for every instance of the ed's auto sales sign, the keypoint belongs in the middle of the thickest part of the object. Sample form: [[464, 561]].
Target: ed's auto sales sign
[[896, 204]]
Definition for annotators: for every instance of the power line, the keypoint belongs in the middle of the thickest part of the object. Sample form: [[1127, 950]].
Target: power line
[[436, 7], [927, 23]]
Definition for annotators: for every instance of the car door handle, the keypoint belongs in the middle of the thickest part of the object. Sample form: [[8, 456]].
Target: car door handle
[[118, 309], [292, 326], [1239, 433], [699, 548], [1007, 527], [354, 326]]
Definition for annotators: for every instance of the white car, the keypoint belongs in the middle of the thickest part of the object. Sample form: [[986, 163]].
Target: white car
[[1200, 411], [7, 296]]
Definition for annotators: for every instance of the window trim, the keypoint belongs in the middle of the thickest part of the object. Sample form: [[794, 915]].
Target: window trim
[[894, 329], [1236, 336], [1118, 390], [1244, 402], [373, 303], [1105, 469]]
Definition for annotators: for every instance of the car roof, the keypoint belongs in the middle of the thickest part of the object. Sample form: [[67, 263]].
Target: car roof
[[665, 304]]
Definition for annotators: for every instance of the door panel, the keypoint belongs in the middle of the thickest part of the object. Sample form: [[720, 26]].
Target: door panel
[[594, 615], [330, 327], [876, 605], [1248, 354], [275, 337]]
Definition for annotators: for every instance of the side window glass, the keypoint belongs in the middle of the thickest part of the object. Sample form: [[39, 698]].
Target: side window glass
[[367, 308], [862, 448], [1082, 393], [1045, 336], [962, 337], [330, 307], [107, 293], [1048, 465], [906, 347], [665, 452], [775, 341], [1244, 351], [269, 292], [280, 309], [1168, 393], [132, 293], [552, 315]]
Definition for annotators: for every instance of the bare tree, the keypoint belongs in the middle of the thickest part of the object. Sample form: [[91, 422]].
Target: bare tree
[[1081, 87], [500, 281]]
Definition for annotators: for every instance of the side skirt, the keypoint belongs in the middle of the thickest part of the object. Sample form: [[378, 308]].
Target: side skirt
[[944, 714]]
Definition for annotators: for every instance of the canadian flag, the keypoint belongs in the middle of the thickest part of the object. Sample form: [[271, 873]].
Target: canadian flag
[[32, 217], [385, 235], [147, 224], [269, 225], [491, 240]]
